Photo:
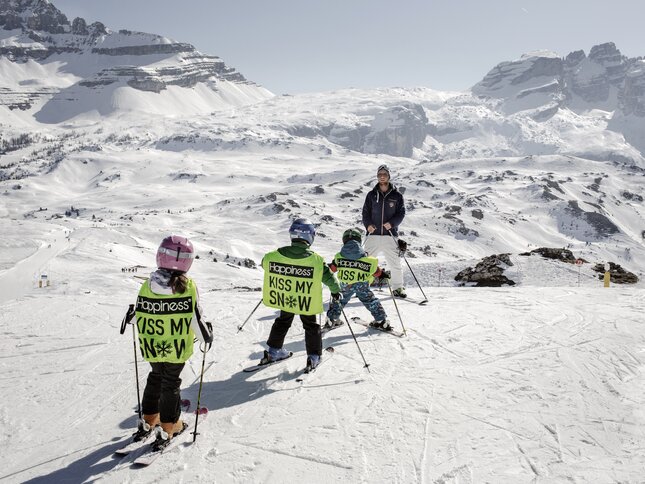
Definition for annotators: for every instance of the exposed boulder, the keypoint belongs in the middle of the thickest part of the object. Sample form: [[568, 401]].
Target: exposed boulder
[[617, 274], [564, 255], [487, 273]]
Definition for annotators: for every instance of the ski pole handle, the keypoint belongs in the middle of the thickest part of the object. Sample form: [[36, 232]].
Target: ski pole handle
[[127, 318]]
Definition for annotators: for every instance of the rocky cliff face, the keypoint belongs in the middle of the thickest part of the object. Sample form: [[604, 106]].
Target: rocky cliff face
[[632, 96], [96, 57], [33, 15], [388, 129], [605, 79], [396, 131]]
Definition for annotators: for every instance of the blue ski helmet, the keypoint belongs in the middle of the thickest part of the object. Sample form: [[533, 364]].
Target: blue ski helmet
[[302, 229]]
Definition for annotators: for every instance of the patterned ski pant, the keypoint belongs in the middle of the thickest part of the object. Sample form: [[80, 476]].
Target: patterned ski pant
[[364, 294]]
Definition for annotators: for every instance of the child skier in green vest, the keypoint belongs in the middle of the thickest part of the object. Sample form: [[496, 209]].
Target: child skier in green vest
[[168, 317], [356, 270], [293, 278]]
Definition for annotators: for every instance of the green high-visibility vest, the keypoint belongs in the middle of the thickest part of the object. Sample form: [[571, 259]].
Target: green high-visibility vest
[[353, 271], [293, 285], [164, 324]]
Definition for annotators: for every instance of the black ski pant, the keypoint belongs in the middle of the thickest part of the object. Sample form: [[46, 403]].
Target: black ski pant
[[161, 394], [313, 338]]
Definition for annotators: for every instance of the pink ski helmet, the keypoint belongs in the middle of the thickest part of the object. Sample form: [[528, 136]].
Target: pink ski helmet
[[175, 253]]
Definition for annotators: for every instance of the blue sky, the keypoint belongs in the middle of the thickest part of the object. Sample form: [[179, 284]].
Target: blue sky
[[292, 46]]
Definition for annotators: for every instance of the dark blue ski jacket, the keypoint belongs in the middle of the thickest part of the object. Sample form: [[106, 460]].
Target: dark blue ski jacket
[[380, 208]]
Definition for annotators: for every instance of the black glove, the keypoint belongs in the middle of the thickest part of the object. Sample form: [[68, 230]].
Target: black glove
[[335, 296], [127, 318], [403, 245], [209, 336], [385, 275]]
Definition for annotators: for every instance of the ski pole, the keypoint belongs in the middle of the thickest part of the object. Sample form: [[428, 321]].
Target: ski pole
[[356, 341], [425, 298], [199, 394], [126, 320], [396, 306], [239, 328], [136, 374]]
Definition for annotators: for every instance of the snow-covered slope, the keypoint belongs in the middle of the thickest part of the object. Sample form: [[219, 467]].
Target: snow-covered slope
[[490, 385]]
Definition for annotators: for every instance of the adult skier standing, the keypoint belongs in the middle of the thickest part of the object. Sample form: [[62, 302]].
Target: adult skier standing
[[356, 271], [383, 212], [293, 278], [168, 317]]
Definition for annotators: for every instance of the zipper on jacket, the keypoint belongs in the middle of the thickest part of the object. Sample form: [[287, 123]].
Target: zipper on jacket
[[383, 207]]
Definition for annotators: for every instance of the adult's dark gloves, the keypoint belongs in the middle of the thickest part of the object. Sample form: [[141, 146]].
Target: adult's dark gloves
[[403, 245]]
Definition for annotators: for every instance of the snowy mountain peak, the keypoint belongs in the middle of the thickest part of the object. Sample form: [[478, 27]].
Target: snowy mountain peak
[[57, 70], [541, 83], [606, 54]]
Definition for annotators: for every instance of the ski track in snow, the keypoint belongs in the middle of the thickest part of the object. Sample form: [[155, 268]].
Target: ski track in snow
[[500, 385]]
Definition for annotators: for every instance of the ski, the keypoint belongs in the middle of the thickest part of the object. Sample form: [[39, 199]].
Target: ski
[[409, 299], [413, 300], [262, 366], [326, 329], [133, 445], [151, 455], [329, 352], [360, 322]]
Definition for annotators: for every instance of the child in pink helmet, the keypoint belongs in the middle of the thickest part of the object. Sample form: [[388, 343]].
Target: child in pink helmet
[[168, 317]]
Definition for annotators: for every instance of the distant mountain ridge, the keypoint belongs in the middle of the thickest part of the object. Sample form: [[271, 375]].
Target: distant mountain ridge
[[40, 42], [602, 80], [544, 83]]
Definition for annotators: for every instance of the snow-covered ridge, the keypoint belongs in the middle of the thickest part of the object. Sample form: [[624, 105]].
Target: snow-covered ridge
[[34, 34]]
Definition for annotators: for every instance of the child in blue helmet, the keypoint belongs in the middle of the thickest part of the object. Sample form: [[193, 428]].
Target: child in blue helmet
[[293, 278], [356, 270]]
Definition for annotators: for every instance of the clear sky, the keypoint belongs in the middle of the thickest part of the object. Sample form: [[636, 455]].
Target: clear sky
[[292, 46]]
